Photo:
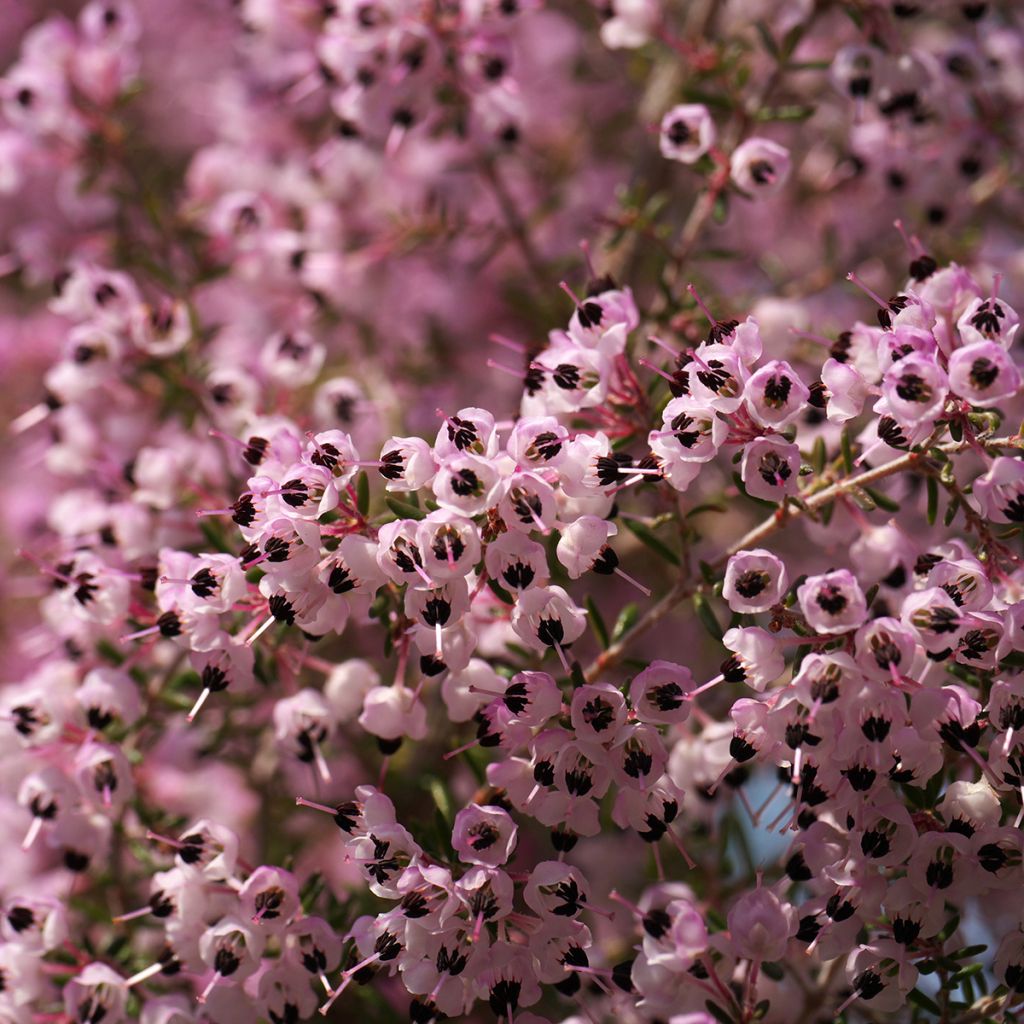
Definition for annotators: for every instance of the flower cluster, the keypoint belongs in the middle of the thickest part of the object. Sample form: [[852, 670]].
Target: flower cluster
[[375, 649]]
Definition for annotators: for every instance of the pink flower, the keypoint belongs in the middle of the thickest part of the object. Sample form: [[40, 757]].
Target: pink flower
[[687, 133], [484, 835]]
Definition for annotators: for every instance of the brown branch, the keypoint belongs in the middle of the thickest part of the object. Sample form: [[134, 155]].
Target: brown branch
[[515, 223], [684, 588]]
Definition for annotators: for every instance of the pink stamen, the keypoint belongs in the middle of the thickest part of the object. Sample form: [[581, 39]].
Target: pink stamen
[[854, 279], [346, 978], [147, 972], [301, 801], [205, 994], [200, 701], [500, 339], [659, 867], [912, 242], [585, 249], [632, 582], [157, 838], [229, 438], [562, 658], [141, 912], [28, 419], [572, 295], [706, 686], [139, 634], [619, 898], [321, 763], [700, 302], [657, 369], [678, 843], [423, 575], [485, 692], [721, 777], [819, 338], [460, 750], [267, 623], [655, 340], [32, 834]]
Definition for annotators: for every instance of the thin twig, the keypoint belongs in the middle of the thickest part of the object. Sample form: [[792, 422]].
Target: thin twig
[[515, 223]]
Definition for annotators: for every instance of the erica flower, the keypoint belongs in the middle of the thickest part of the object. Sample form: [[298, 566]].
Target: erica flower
[[761, 925], [983, 373], [988, 319], [546, 617], [880, 975], [754, 581], [760, 166], [630, 24], [775, 394], [687, 133], [393, 712], [915, 389], [770, 468], [96, 992], [484, 835], [833, 602], [999, 493]]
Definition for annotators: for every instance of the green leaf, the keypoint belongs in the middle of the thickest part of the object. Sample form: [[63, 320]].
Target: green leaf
[[645, 536], [809, 65], [311, 889], [790, 112], [801, 652], [403, 509], [933, 499], [861, 498], [214, 536], [721, 208], [819, 454], [718, 1013], [706, 615], [626, 620], [710, 506], [962, 954], [791, 40], [472, 755], [967, 972], [767, 39], [363, 493], [439, 794], [597, 623], [954, 507], [715, 919], [500, 592], [883, 500], [108, 649], [847, 450], [918, 998], [773, 970]]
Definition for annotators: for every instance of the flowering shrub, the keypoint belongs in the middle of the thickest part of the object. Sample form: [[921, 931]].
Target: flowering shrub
[[410, 613]]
